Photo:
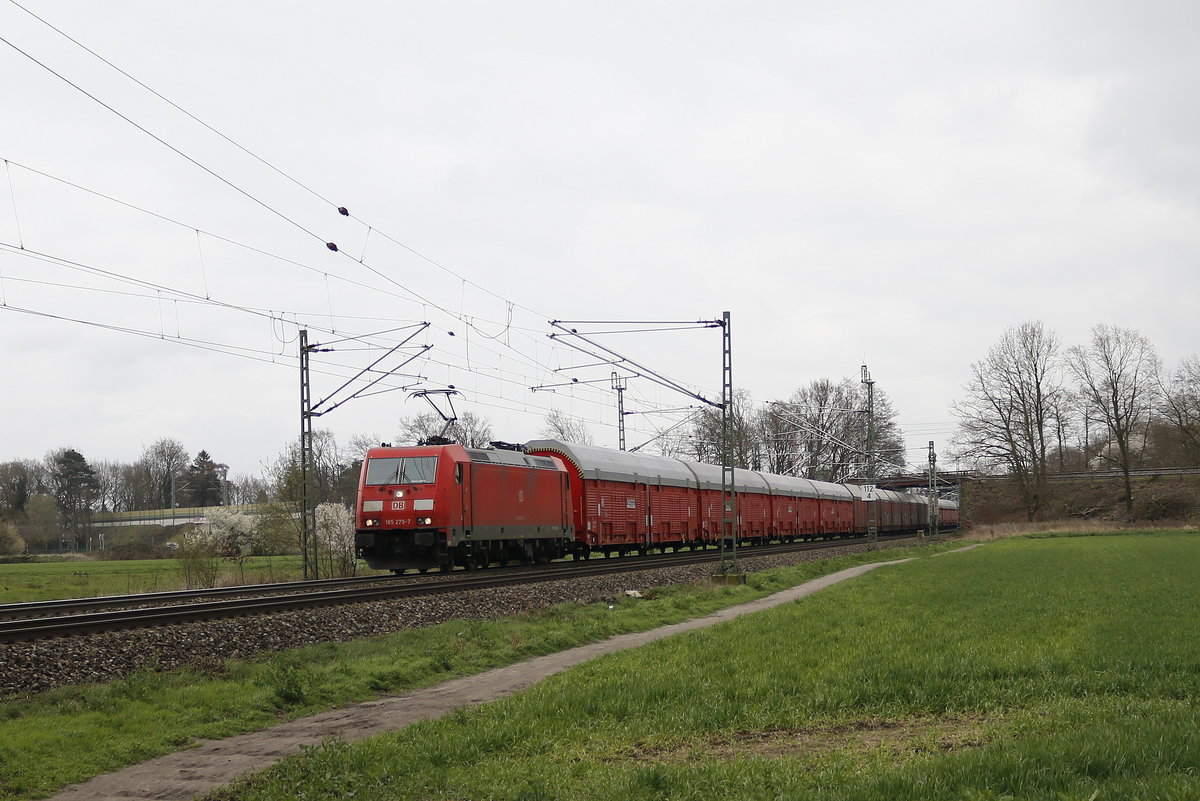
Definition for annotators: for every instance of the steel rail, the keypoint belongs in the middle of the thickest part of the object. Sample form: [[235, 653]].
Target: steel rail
[[26, 608], [93, 622]]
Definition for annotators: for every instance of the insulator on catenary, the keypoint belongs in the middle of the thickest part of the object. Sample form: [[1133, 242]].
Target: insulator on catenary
[[342, 210], [331, 246]]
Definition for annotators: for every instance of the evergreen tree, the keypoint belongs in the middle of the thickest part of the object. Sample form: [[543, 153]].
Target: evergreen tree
[[75, 489], [205, 481]]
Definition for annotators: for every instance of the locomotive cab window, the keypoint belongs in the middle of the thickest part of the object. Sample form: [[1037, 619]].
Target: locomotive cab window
[[400, 470]]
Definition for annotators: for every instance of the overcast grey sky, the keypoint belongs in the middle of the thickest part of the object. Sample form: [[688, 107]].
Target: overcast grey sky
[[885, 183]]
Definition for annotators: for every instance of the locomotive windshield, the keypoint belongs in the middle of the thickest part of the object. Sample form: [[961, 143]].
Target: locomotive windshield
[[401, 470]]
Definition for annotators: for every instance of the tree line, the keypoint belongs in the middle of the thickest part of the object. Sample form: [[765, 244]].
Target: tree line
[[1033, 407], [48, 504], [819, 432]]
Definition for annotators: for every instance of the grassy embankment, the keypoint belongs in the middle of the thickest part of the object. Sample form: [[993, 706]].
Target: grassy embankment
[[1045, 668], [68, 735]]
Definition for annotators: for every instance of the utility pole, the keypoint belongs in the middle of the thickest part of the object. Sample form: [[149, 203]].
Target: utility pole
[[728, 501], [934, 510], [618, 384], [872, 519], [309, 410], [308, 510], [585, 343]]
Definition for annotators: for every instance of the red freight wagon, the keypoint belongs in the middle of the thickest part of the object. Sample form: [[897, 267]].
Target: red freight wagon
[[949, 514], [894, 511], [628, 501]]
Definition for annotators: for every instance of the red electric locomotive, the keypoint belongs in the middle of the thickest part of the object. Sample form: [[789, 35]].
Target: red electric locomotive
[[446, 505]]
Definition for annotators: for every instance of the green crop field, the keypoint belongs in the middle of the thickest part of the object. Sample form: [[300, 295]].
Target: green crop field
[[1048, 668]]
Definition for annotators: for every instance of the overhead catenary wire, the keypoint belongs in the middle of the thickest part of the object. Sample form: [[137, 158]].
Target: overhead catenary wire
[[167, 144], [282, 173], [156, 293], [340, 209], [411, 297], [471, 321], [236, 243]]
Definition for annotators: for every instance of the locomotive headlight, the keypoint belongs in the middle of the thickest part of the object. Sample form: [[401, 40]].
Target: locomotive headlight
[[399, 493], [371, 522], [425, 521]]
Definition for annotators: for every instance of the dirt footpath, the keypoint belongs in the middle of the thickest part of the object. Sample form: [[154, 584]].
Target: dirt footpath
[[213, 763]]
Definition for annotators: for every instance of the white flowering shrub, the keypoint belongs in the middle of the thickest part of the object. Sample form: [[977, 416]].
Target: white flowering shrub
[[237, 531], [225, 534]]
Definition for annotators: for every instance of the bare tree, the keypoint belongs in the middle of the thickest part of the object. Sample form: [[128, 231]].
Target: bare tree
[[166, 460], [332, 480], [779, 440], [335, 533], [820, 432], [359, 445], [136, 488], [246, 489], [470, 429], [1118, 373], [745, 446], [560, 425], [673, 441], [1012, 402], [1180, 408]]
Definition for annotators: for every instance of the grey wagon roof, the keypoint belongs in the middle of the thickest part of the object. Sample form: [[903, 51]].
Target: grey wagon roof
[[609, 465]]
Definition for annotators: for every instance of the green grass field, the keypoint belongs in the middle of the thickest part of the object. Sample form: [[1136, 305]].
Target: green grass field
[[85, 578], [68, 735], [1048, 668], [1042, 668]]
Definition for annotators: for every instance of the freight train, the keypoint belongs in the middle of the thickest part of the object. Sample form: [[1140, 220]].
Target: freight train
[[447, 505]]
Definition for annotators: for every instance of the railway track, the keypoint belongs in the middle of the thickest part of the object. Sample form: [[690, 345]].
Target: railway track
[[75, 605], [175, 608]]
